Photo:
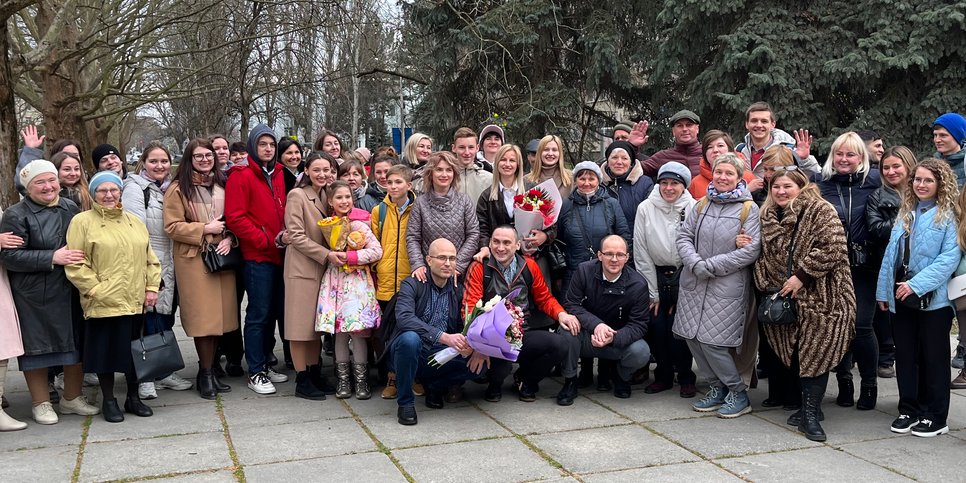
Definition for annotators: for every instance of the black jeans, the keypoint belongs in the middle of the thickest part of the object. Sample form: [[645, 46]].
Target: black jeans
[[542, 350], [865, 349], [922, 362], [882, 324], [671, 353]]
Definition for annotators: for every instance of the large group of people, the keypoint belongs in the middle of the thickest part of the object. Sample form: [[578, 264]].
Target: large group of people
[[746, 260]]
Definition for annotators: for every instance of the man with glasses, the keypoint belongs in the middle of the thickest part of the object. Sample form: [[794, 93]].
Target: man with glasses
[[504, 271], [610, 300], [428, 320]]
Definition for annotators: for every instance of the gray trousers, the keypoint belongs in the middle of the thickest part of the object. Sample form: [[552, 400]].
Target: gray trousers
[[630, 358], [717, 364]]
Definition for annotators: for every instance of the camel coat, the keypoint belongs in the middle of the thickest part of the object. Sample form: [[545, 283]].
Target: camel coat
[[826, 302], [305, 262], [207, 300]]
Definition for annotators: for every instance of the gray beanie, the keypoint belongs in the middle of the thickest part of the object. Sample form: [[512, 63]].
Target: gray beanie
[[588, 166], [676, 171]]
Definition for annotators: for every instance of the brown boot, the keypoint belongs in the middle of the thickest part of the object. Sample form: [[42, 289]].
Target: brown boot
[[389, 392], [960, 381]]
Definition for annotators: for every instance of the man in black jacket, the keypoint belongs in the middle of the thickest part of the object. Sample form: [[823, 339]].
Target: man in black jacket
[[610, 300], [427, 321]]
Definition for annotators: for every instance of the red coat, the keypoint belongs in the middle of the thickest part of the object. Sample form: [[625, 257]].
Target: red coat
[[255, 211]]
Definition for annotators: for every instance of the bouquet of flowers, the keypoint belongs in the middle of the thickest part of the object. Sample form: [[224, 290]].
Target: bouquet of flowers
[[335, 229], [494, 329], [536, 209], [356, 240]]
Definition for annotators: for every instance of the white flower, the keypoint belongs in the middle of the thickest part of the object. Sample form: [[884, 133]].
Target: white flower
[[492, 303], [443, 356], [479, 304]]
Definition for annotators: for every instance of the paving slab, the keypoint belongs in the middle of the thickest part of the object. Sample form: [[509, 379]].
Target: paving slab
[[606, 449], [65, 433], [545, 416], [663, 406], [379, 406], [842, 425], [257, 410], [220, 476], [356, 467], [683, 473], [289, 442], [167, 397], [808, 465], [924, 459], [717, 438], [46, 464], [472, 426], [955, 420], [495, 460], [154, 456], [167, 421]]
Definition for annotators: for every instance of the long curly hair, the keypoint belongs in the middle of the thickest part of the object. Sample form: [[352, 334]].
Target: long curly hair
[[947, 206]]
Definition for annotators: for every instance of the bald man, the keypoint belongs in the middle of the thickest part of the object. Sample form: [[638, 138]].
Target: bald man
[[428, 320]]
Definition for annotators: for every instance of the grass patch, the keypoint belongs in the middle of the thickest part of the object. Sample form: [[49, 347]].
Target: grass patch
[[237, 470], [381, 447], [75, 476]]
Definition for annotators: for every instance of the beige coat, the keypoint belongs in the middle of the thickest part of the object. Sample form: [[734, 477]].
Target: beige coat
[[305, 261], [10, 343], [207, 300]]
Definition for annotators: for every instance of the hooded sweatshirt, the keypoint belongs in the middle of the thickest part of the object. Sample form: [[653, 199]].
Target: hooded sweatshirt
[[809, 165], [656, 233], [255, 203]]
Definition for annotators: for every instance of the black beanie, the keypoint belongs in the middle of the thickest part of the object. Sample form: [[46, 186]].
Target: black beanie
[[103, 150]]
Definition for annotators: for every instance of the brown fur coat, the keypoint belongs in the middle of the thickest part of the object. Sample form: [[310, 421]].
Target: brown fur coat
[[826, 303]]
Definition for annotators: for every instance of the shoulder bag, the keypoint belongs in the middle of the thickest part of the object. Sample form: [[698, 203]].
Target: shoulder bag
[[903, 274], [777, 309], [156, 355]]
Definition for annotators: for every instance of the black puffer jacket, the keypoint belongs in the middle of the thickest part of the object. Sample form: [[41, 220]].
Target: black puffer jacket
[[881, 212], [849, 194], [41, 291]]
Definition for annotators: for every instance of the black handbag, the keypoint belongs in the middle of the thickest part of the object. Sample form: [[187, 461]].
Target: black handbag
[[903, 274], [215, 262], [668, 283], [776, 309], [156, 355], [556, 259]]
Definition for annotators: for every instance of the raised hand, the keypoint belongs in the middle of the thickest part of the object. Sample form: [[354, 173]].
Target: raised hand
[[803, 143], [638, 136], [30, 137]]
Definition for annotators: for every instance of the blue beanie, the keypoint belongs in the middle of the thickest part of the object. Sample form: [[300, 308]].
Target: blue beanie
[[955, 124], [104, 177]]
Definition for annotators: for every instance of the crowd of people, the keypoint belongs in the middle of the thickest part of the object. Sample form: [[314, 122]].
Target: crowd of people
[[748, 260]]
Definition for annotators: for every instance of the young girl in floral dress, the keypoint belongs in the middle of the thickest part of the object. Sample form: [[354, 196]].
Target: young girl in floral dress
[[347, 297]]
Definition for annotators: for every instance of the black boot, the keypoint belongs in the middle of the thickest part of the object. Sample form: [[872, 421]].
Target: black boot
[[586, 376], [315, 373], [605, 370], [846, 396], [305, 389], [796, 418], [867, 397], [812, 392], [219, 386], [111, 412], [134, 406], [568, 392], [205, 384]]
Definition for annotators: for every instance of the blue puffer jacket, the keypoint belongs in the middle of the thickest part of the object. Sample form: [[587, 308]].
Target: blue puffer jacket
[[849, 194], [933, 258], [601, 216]]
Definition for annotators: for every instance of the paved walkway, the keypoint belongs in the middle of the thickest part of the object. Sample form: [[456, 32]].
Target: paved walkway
[[245, 437]]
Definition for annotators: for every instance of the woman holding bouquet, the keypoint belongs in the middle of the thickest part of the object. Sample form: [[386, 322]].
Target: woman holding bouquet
[[347, 298], [442, 212]]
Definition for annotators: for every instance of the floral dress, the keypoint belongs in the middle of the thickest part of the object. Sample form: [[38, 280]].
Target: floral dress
[[347, 299]]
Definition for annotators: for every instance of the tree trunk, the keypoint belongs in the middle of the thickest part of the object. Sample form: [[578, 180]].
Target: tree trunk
[[8, 124]]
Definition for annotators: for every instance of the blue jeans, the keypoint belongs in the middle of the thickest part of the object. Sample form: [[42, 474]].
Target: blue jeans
[[265, 290], [409, 358]]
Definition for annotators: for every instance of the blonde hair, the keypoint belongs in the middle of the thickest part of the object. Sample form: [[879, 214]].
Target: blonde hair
[[409, 151], [434, 160], [809, 191], [566, 177], [851, 141], [905, 155], [946, 192], [518, 183], [733, 160]]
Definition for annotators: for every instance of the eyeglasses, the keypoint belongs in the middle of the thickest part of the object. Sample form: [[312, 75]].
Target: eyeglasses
[[108, 191], [199, 156], [923, 181], [444, 258], [785, 168], [613, 256]]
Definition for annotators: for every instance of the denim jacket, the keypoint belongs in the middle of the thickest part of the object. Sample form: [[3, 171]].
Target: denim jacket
[[934, 255]]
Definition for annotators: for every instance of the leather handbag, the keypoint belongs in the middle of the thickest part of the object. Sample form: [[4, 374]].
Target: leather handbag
[[556, 259], [156, 355], [776, 309], [903, 274], [668, 283], [214, 262]]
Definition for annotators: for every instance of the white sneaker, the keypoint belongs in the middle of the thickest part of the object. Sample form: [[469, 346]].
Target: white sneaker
[[174, 382], [91, 380], [275, 376], [78, 405], [44, 413], [59, 382], [146, 390], [261, 384]]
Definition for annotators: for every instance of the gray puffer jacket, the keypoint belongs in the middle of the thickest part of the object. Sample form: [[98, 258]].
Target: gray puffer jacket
[[716, 281], [133, 200], [451, 216]]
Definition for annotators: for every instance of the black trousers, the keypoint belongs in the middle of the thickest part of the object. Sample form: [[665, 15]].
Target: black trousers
[[784, 385], [865, 349], [672, 354], [542, 350], [882, 324], [922, 362]]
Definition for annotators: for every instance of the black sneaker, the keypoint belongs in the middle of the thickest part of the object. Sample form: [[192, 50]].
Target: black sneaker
[[434, 400], [622, 388], [568, 392], [493, 393], [406, 415], [903, 424], [957, 361], [927, 429], [527, 393]]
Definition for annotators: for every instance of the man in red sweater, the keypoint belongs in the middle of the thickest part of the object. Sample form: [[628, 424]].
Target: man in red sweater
[[685, 127], [502, 272], [254, 212]]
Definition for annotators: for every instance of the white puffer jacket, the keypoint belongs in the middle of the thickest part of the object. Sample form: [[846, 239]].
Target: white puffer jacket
[[655, 235], [133, 201]]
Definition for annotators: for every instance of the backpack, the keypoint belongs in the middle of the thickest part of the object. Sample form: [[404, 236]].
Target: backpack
[[383, 207]]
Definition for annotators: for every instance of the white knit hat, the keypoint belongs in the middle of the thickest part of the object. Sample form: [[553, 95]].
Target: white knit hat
[[36, 168]]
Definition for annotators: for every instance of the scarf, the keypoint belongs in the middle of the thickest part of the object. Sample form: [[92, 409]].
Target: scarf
[[734, 194], [201, 179], [163, 184]]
